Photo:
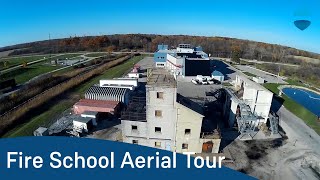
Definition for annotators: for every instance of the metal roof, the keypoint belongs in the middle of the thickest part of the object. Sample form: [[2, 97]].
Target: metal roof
[[106, 93]]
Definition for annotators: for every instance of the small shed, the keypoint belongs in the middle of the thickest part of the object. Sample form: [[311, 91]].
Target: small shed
[[41, 131], [217, 75], [90, 114], [84, 124]]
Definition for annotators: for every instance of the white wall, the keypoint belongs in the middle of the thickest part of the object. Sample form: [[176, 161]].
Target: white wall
[[123, 82], [166, 105], [127, 128]]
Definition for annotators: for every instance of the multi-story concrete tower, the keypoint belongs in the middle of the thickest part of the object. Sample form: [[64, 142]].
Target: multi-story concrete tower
[[161, 112], [153, 122]]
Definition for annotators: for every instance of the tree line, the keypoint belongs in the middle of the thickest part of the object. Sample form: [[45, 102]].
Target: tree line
[[216, 46]]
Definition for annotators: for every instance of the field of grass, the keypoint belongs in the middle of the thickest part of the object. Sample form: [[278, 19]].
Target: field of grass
[[27, 129], [22, 75], [97, 54], [249, 74], [59, 107], [67, 56], [308, 117], [20, 60]]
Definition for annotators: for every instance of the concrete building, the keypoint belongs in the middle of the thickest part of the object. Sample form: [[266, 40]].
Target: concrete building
[[161, 120], [259, 80], [256, 96], [160, 108], [84, 124], [248, 106], [189, 137]]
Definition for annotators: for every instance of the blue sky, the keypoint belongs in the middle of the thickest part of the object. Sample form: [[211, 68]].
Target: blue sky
[[267, 21]]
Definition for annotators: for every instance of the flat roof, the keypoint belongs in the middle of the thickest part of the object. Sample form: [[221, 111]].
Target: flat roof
[[160, 77], [90, 113], [95, 105], [252, 83], [83, 119]]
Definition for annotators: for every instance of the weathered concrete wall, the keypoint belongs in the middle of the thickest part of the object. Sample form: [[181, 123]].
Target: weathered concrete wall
[[167, 121], [188, 119], [127, 128]]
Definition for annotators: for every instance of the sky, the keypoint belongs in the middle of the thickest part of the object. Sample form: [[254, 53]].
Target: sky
[[269, 21]]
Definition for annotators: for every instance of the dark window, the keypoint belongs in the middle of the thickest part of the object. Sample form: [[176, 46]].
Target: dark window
[[160, 95], [134, 127], [134, 141], [158, 113], [184, 146], [157, 129], [187, 131]]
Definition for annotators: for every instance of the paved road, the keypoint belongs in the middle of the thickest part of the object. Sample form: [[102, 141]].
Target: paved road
[[257, 62], [270, 78]]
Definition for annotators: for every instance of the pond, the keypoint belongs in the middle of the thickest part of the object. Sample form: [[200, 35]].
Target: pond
[[308, 99]]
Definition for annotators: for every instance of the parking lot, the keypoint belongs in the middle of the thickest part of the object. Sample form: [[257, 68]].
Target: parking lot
[[197, 93]]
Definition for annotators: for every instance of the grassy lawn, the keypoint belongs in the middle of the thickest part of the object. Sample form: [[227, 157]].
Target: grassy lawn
[[43, 118], [97, 54], [67, 56], [40, 120], [249, 74], [308, 117], [23, 75], [20, 60]]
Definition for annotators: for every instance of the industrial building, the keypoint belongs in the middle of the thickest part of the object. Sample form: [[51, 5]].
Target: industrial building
[[248, 106], [161, 121], [108, 93], [183, 59]]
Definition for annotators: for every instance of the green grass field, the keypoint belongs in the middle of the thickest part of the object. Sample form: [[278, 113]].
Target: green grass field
[[67, 56], [249, 74], [11, 62], [308, 117], [97, 54], [47, 116], [22, 75]]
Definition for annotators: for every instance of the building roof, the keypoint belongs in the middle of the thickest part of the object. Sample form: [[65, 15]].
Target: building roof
[[90, 113], [106, 93], [83, 119], [160, 77], [252, 84], [95, 105], [216, 73]]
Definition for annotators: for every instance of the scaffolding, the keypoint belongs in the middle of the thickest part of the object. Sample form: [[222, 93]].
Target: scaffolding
[[136, 109], [247, 121], [274, 123]]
